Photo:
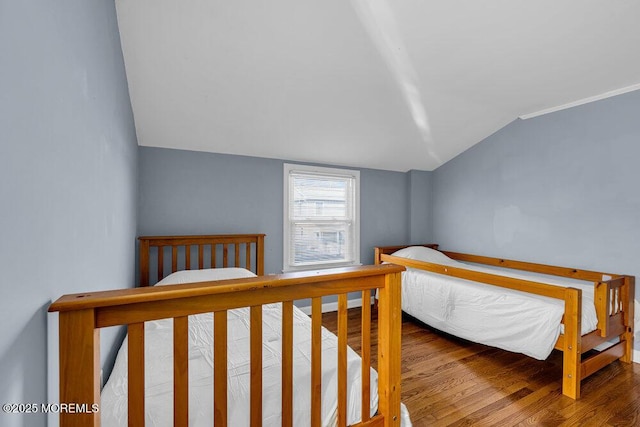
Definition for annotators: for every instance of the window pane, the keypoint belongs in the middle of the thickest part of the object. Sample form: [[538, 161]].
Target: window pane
[[321, 217], [321, 243], [320, 197]]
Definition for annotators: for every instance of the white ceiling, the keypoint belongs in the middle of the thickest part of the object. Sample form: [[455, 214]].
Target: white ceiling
[[393, 85]]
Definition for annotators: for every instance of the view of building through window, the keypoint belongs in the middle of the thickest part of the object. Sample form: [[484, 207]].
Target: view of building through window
[[322, 218]]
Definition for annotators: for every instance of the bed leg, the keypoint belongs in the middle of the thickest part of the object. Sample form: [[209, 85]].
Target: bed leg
[[79, 368], [389, 350], [571, 357], [628, 294]]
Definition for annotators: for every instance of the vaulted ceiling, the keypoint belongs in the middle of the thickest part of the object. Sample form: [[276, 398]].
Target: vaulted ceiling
[[384, 84]]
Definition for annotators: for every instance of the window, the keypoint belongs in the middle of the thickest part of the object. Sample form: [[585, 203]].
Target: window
[[321, 217]]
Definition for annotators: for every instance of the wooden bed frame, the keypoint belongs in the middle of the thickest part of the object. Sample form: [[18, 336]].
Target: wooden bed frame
[[82, 315], [158, 248], [613, 294]]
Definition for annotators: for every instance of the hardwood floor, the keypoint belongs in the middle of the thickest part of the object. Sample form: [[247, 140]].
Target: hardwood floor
[[447, 381]]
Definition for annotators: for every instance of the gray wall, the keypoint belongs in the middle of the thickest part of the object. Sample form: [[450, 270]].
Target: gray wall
[[562, 188], [420, 206], [68, 166], [186, 192]]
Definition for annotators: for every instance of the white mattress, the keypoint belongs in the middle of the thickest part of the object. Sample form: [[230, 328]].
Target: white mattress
[[499, 317], [159, 368]]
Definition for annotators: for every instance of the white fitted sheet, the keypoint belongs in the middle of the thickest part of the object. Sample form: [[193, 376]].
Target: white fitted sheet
[[159, 368], [511, 320]]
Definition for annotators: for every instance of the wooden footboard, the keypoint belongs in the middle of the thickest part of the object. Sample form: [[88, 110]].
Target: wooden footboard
[[82, 316], [613, 298]]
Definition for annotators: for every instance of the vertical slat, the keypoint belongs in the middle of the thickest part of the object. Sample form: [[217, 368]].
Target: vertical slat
[[287, 364], [572, 342], [247, 263], [389, 348], [213, 255], [237, 253], [260, 256], [256, 365], [174, 259], [342, 359], [79, 366], [316, 361], [187, 257], [200, 257], [377, 261], [366, 355], [225, 255], [144, 262], [135, 378], [220, 369], [160, 263], [181, 371]]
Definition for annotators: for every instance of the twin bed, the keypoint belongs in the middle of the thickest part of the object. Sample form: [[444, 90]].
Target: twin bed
[[225, 346], [522, 307], [234, 350]]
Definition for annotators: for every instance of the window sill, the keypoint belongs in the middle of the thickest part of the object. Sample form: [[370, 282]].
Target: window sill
[[320, 267]]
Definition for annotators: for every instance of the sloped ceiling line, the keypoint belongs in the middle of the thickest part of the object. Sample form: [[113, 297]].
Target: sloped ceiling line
[[377, 18], [374, 84]]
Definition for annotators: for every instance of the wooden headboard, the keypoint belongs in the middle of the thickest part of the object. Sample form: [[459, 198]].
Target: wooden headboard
[[157, 253]]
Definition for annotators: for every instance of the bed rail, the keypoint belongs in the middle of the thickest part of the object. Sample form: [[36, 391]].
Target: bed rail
[[82, 315], [613, 298]]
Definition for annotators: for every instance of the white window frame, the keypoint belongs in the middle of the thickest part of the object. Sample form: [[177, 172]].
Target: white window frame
[[321, 171]]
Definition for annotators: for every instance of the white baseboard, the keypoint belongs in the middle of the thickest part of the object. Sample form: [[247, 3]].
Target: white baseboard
[[333, 306]]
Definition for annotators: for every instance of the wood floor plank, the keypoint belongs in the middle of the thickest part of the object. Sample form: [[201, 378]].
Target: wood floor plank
[[531, 407], [447, 381], [629, 415]]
